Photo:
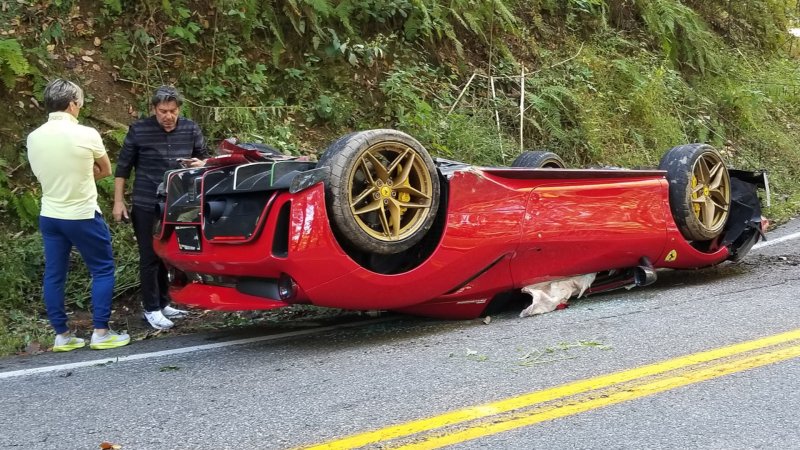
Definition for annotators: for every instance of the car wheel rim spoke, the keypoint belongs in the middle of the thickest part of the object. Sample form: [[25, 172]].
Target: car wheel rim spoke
[[395, 214], [716, 174], [370, 207], [700, 200], [381, 171], [708, 213], [384, 222], [362, 196], [393, 166], [406, 168], [367, 172]]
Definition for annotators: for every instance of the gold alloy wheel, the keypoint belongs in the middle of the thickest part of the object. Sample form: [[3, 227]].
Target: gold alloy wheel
[[390, 191], [711, 191]]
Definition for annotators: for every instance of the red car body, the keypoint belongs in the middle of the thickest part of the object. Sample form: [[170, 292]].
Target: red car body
[[498, 230]]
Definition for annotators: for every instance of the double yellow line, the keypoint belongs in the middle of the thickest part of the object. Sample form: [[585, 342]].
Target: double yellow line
[[573, 398]]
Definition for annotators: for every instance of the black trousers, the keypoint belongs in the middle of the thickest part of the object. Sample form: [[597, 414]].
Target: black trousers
[[152, 272]]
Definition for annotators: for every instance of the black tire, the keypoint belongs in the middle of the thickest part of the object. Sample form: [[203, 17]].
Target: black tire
[[382, 192], [699, 190], [539, 159]]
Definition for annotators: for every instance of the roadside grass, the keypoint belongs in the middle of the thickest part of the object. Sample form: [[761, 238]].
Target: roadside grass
[[31, 335]]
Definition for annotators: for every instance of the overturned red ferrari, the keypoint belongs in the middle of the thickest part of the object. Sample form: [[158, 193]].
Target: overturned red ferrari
[[378, 223]]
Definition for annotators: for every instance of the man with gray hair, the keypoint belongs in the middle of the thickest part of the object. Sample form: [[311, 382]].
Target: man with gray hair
[[67, 158], [161, 142]]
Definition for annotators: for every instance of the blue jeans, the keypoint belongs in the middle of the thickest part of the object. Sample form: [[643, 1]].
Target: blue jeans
[[93, 241]]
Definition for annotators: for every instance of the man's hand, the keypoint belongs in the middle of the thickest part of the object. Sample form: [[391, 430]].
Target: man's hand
[[192, 162], [120, 211], [102, 167]]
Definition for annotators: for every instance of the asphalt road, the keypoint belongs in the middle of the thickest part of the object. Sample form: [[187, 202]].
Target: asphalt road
[[276, 388]]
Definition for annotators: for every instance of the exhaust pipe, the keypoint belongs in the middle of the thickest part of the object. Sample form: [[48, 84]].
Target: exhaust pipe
[[644, 274]]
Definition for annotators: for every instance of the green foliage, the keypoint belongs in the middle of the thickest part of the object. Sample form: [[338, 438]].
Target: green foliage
[[462, 137], [762, 24], [185, 28], [20, 304], [12, 62], [682, 34], [551, 110], [111, 8], [334, 108], [433, 20], [18, 201], [21, 269]]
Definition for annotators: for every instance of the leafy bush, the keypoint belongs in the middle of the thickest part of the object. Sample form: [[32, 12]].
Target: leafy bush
[[762, 24], [12, 62], [682, 34]]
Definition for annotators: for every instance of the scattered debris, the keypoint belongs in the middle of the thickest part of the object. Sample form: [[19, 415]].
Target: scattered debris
[[549, 295], [475, 356], [557, 353]]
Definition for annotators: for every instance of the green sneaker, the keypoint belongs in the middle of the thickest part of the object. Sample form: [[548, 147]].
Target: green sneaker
[[67, 343], [111, 339]]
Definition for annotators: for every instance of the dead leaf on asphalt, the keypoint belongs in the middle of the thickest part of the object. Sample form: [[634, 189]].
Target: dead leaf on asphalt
[[34, 348], [109, 446]]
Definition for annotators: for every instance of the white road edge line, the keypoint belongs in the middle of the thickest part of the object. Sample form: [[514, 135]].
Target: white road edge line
[[178, 351], [776, 241]]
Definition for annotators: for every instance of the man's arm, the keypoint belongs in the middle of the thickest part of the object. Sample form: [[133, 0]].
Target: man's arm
[[102, 167], [120, 210], [126, 162]]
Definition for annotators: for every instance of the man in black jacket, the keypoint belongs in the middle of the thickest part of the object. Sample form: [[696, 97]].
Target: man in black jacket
[[161, 142]]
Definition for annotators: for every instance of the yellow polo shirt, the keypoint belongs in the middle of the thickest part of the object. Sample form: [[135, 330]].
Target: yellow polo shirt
[[62, 153]]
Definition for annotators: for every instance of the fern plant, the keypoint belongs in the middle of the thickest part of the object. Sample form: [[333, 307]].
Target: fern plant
[[12, 62], [551, 110], [683, 35]]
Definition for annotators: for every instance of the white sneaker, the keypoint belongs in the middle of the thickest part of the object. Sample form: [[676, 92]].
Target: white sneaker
[[174, 313], [111, 339], [67, 342], [157, 320]]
